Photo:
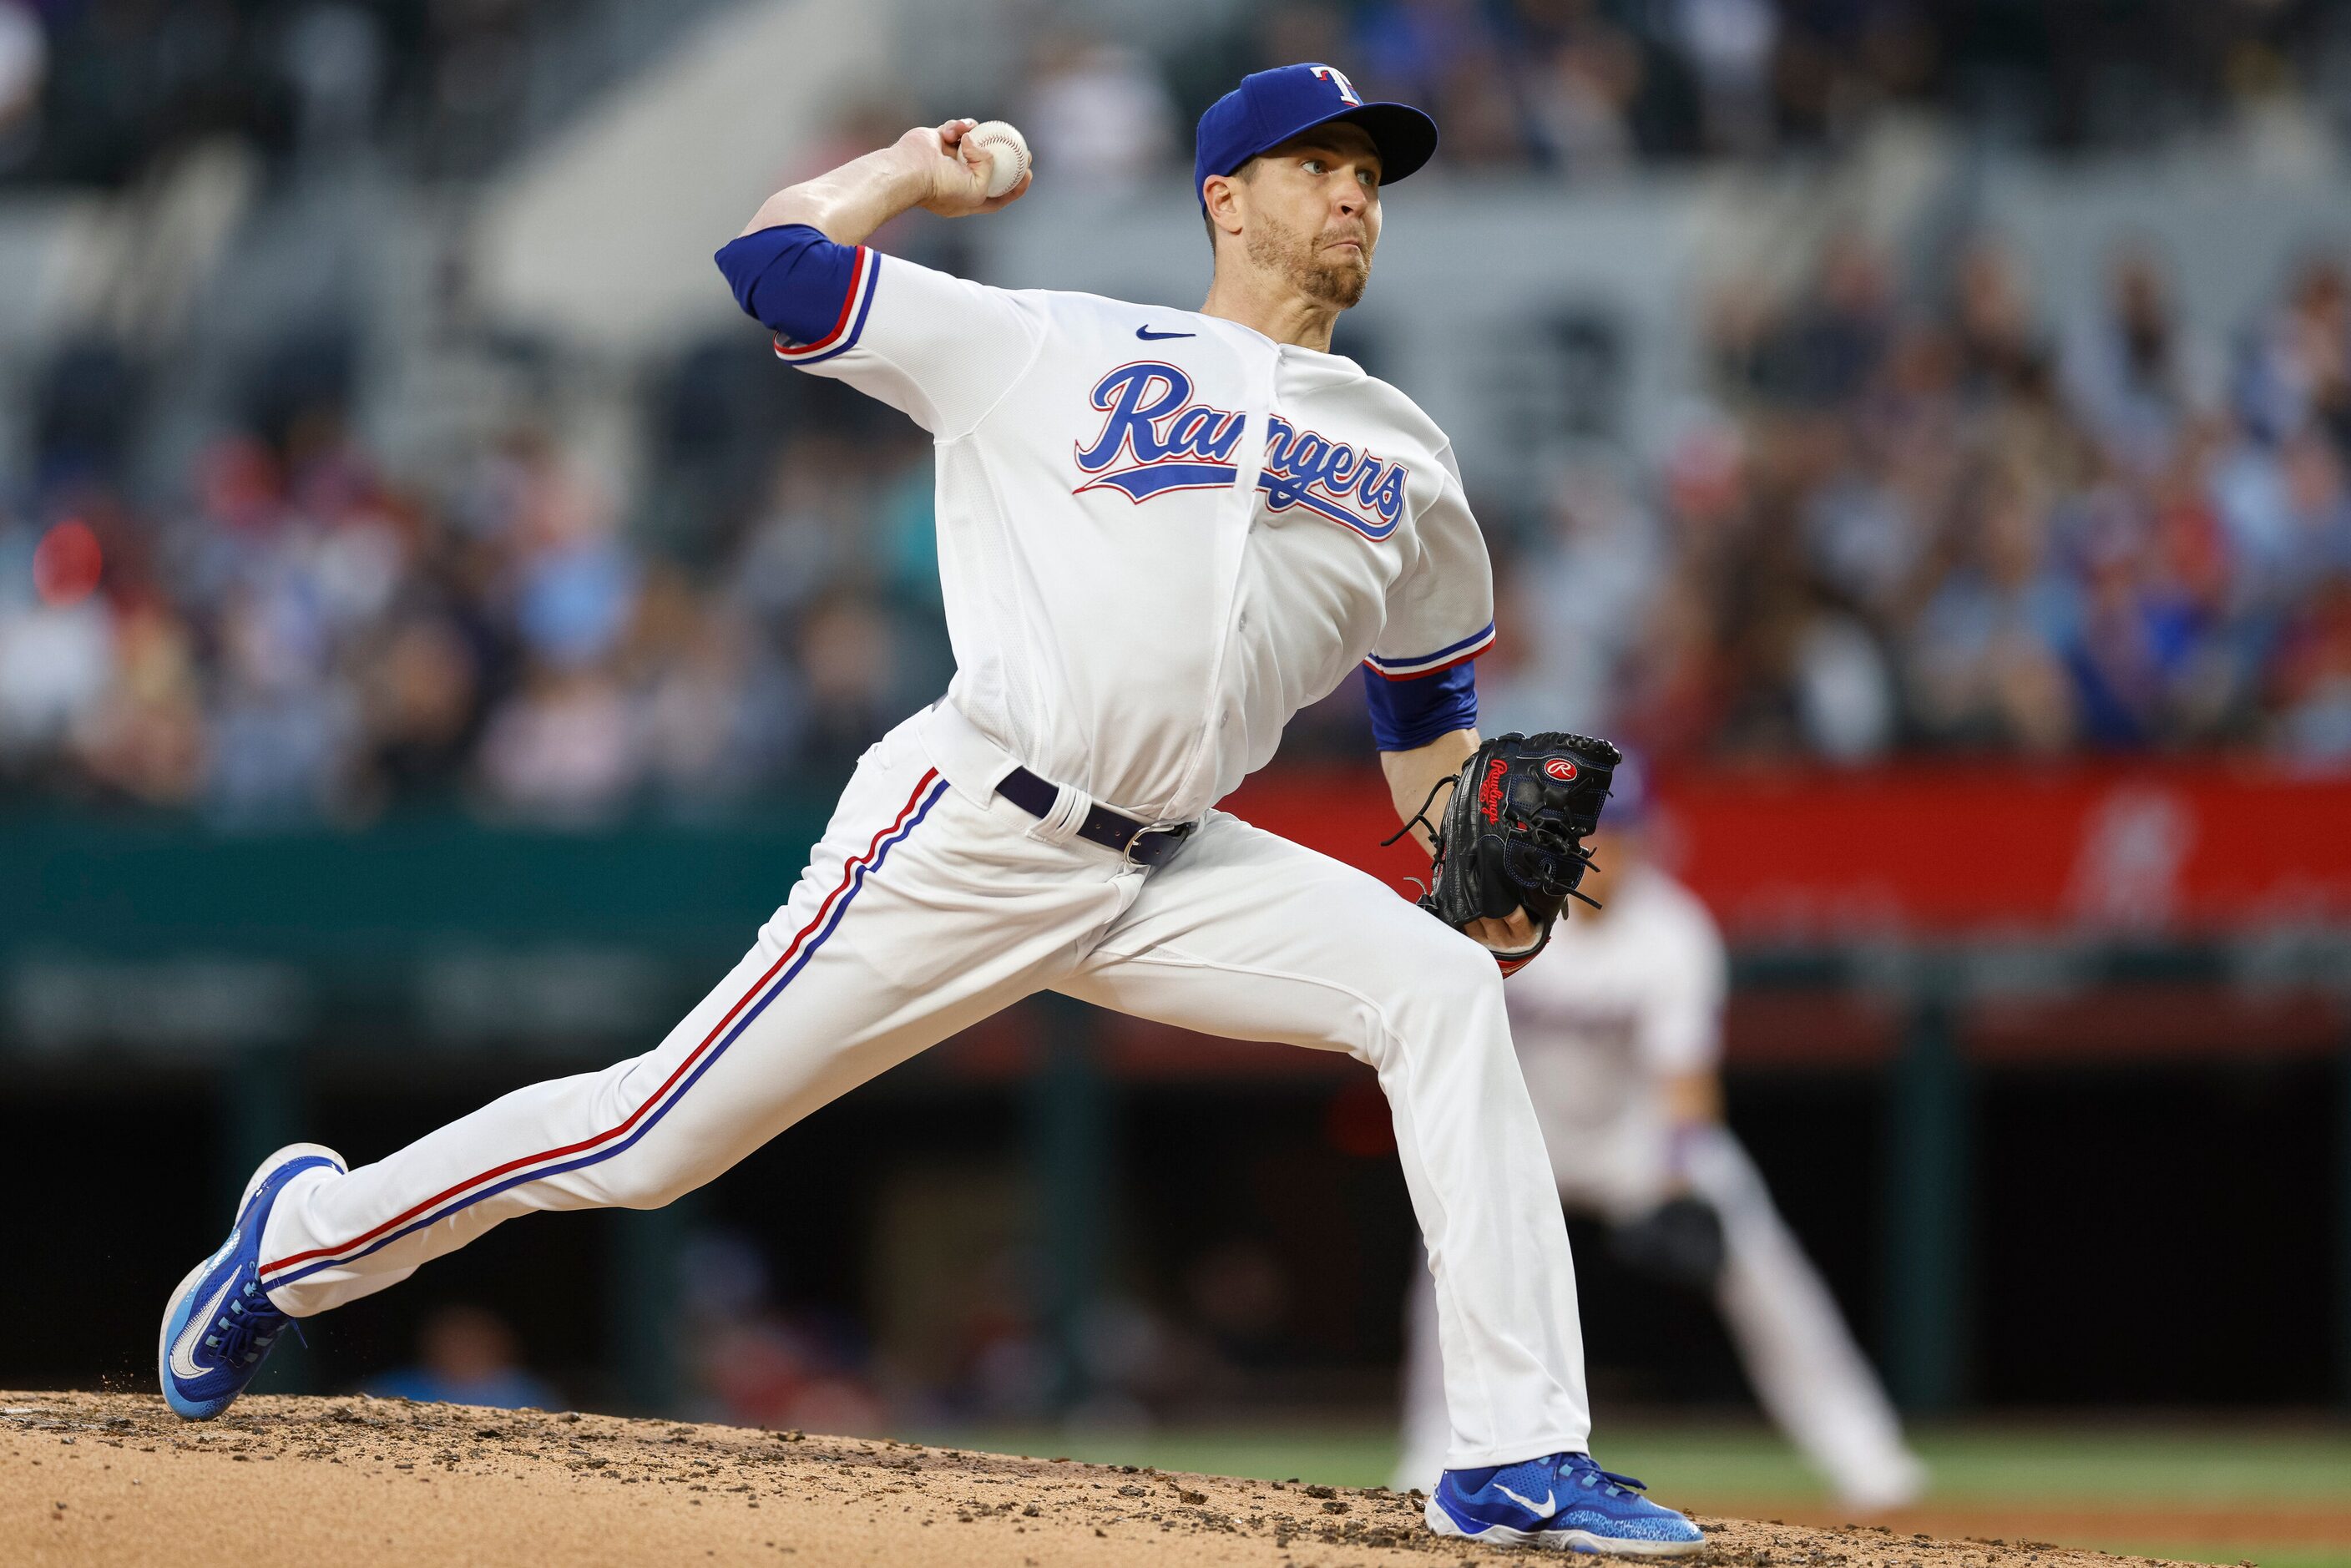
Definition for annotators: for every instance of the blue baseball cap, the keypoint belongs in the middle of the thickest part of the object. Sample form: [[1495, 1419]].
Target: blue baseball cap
[[1271, 106]]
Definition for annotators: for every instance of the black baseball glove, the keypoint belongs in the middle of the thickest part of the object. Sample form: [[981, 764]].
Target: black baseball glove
[[1679, 1241], [1512, 834]]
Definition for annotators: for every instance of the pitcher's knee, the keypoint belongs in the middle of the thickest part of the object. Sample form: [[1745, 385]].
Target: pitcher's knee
[[643, 1184], [1459, 970], [659, 1194], [1443, 989]]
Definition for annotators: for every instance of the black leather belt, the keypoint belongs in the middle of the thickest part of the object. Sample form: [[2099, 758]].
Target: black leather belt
[[1140, 843]]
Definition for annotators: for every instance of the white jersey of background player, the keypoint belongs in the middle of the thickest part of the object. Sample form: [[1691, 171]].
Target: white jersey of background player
[[1619, 1028], [1161, 533]]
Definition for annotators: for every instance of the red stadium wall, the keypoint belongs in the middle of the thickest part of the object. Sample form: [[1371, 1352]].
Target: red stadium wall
[[1946, 849]]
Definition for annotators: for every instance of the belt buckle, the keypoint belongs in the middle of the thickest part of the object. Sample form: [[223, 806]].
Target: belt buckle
[[1181, 830]]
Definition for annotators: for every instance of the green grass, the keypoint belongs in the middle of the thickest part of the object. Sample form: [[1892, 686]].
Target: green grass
[[2111, 1466], [2100, 1463]]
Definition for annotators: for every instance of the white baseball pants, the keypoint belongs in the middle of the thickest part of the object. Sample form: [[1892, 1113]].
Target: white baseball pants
[[931, 903], [1809, 1375]]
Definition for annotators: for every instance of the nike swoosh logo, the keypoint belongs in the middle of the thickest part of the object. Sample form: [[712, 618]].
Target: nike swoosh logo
[[1148, 336], [1543, 1510], [184, 1364]]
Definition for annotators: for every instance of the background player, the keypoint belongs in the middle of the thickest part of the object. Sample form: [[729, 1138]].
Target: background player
[[1619, 1027], [1161, 533]]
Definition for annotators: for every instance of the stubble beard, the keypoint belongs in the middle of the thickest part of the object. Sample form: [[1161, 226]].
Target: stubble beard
[[1299, 259]]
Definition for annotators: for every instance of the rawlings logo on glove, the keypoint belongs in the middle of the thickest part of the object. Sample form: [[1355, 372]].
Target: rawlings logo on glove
[[1512, 834]]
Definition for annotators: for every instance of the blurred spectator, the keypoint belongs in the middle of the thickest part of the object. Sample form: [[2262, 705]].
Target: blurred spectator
[[57, 640], [2134, 374], [2313, 678], [23, 70], [281, 729], [421, 697], [2001, 354], [1844, 698], [716, 715], [147, 742], [1574, 621], [465, 1355], [1731, 44], [848, 652], [1579, 93], [2298, 374], [562, 750], [1838, 335], [334, 56], [1987, 648]]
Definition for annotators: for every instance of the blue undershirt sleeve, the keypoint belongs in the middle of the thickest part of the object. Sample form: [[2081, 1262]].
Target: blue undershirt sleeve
[[791, 278], [1413, 711]]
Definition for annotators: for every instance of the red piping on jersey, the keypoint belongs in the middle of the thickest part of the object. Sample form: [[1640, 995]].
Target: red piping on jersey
[[1461, 658]]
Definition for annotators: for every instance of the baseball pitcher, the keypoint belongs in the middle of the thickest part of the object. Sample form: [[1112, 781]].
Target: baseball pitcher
[[1161, 533], [1619, 1028]]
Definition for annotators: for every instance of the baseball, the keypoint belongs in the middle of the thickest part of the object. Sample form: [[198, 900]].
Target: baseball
[[1007, 154]]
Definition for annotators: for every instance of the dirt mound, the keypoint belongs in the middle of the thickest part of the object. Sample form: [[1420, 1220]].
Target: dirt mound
[[89, 1479]]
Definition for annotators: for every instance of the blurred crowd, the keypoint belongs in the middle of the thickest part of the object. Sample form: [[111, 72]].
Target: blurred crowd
[[1937, 523], [90, 91], [299, 638], [94, 92], [1950, 524], [1907, 510], [1590, 88]]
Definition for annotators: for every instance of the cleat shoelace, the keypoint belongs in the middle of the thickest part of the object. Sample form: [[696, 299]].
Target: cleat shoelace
[[1590, 1475], [242, 1334]]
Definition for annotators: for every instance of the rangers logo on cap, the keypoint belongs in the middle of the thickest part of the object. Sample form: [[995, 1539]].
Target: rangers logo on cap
[[1338, 78]]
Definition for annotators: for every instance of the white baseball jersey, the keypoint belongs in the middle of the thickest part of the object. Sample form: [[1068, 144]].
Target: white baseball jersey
[[1140, 591], [1614, 1006]]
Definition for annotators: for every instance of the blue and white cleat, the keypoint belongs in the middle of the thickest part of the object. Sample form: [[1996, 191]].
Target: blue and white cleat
[[219, 1325], [1563, 1501]]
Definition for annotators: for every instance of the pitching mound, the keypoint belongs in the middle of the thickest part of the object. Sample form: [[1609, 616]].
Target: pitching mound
[[90, 1478]]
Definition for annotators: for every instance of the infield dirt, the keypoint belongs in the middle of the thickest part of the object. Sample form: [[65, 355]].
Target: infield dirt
[[108, 1479]]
